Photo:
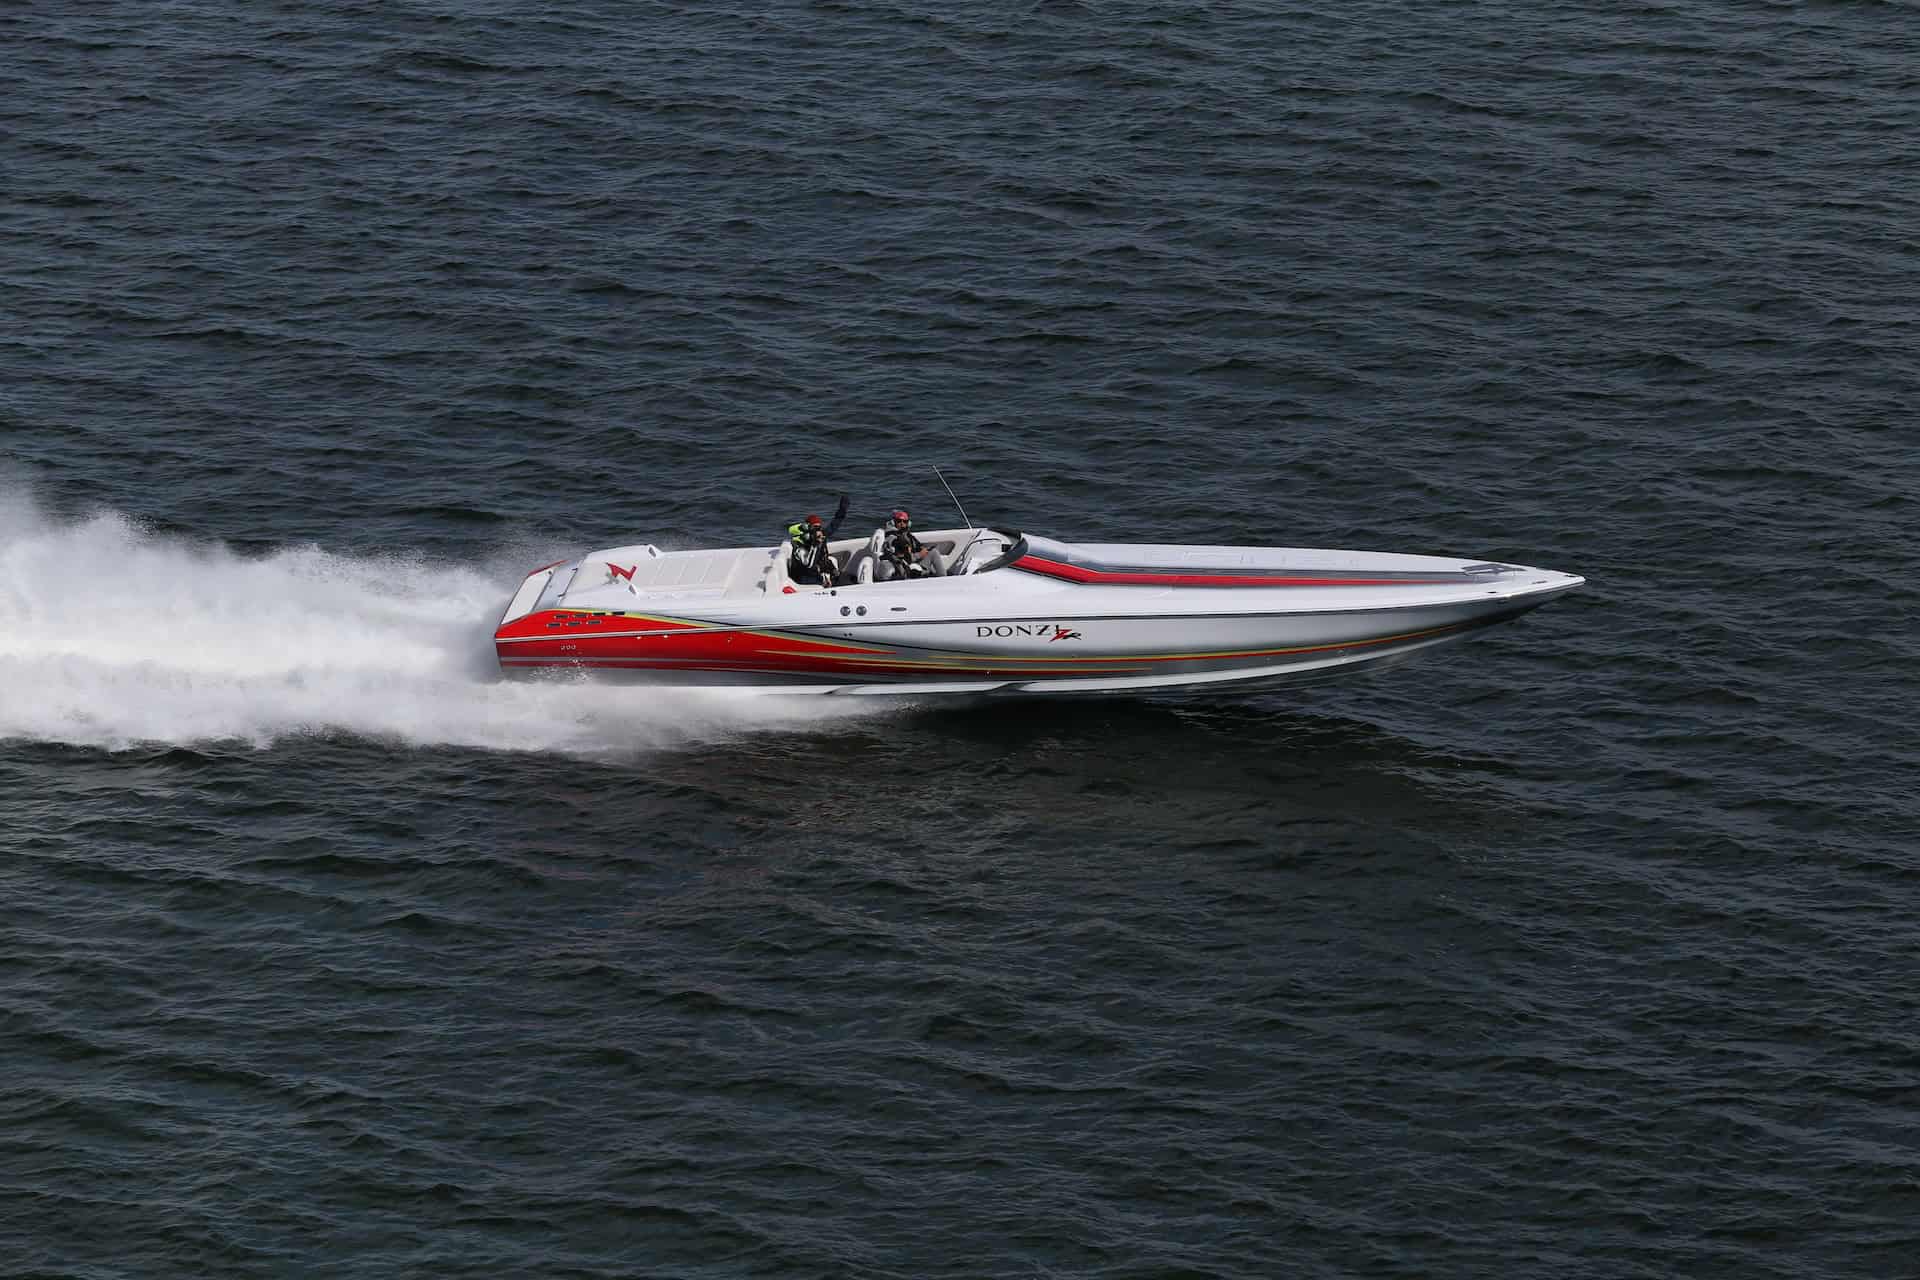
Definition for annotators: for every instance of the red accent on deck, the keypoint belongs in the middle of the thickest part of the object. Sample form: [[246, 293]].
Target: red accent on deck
[[1129, 578]]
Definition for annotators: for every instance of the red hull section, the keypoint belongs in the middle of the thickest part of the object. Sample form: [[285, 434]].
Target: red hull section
[[564, 638]]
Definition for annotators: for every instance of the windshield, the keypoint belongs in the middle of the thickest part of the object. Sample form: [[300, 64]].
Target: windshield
[[1016, 549]]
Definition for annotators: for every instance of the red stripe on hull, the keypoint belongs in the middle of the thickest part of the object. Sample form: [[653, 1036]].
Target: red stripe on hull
[[864, 671], [712, 648], [679, 645], [553, 623]]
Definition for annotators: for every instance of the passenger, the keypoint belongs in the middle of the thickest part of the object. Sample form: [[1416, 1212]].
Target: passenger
[[905, 554], [808, 559]]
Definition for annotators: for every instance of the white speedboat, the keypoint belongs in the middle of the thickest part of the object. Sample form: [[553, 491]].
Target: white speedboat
[[1013, 613]]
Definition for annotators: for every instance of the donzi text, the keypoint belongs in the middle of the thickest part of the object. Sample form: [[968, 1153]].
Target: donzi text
[[1049, 630]]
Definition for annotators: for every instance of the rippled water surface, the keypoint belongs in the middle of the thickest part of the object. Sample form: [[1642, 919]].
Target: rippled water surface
[[1586, 948]]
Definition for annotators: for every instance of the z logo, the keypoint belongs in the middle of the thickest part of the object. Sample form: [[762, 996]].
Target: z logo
[[1061, 633]]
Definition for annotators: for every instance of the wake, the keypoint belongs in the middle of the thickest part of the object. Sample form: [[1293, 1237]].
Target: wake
[[112, 636]]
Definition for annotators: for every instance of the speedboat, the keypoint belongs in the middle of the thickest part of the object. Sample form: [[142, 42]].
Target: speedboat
[[1003, 612]]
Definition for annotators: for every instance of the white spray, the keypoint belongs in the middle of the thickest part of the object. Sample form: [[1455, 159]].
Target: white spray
[[111, 635]]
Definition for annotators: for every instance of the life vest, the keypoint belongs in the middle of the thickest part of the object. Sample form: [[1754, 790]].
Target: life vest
[[803, 548]]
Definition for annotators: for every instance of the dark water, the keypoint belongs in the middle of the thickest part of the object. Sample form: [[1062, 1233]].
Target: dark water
[[1589, 948]]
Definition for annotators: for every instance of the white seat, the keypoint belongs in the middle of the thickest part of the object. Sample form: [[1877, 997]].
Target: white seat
[[877, 568]]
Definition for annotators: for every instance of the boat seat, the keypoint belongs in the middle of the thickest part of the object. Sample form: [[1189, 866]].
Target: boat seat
[[876, 567]]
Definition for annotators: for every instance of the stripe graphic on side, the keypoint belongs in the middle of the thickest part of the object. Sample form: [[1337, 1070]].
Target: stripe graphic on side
[[718, 648], [1222, 578]]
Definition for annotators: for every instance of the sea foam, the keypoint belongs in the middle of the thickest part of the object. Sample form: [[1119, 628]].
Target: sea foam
[[114, 635]]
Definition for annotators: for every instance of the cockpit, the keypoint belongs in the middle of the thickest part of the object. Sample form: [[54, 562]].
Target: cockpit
[[951, 553]]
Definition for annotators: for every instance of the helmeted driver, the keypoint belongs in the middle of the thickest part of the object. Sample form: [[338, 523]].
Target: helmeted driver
[[901, 549]]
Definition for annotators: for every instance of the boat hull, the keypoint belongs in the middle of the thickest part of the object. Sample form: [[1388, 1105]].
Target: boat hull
[[1020, 615], [1008, 656]]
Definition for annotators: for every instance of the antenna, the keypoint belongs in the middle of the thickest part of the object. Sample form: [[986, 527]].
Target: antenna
[[956, 500]]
